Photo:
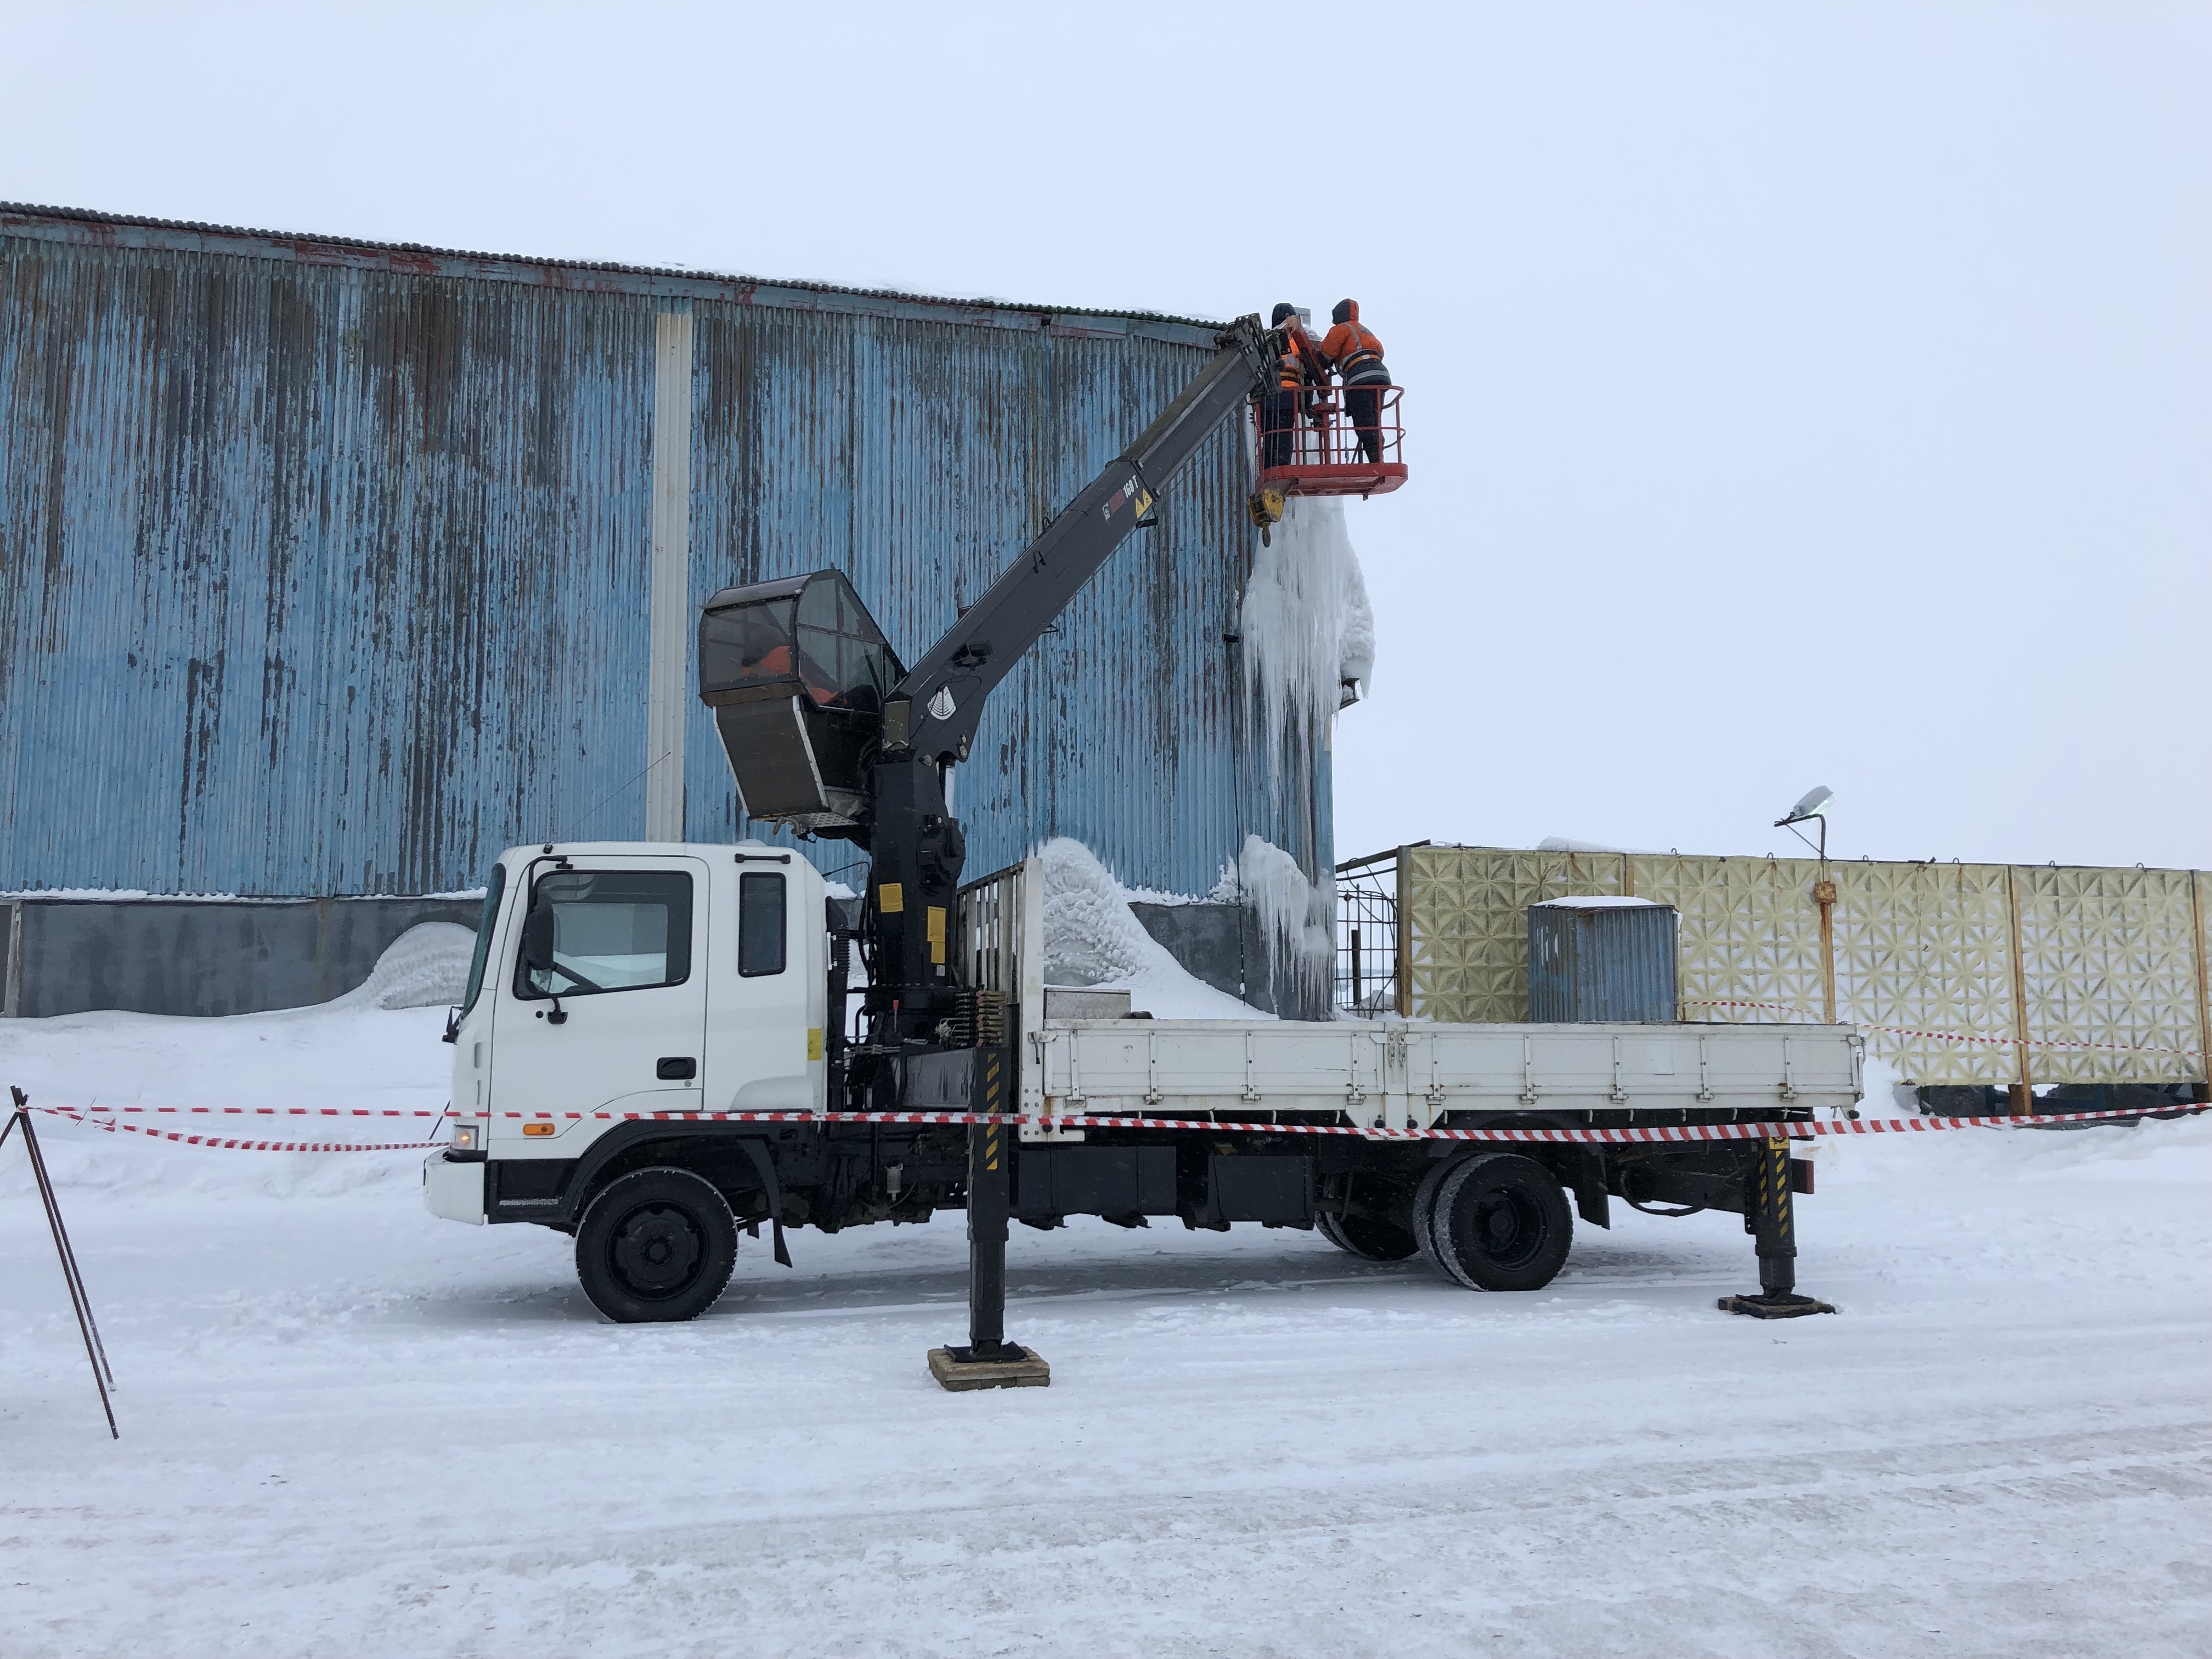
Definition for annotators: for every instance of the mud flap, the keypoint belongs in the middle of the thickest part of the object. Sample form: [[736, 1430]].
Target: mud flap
[[764, 1166], [1589, 1188]]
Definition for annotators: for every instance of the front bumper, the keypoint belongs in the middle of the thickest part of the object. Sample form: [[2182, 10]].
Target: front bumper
[[454, 1190]]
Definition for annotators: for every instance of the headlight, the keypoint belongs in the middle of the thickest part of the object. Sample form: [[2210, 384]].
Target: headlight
[[467, 1137]]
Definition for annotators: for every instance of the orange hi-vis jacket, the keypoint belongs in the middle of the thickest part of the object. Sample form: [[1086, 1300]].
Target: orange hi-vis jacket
[[1357, 353], [1300, 364]]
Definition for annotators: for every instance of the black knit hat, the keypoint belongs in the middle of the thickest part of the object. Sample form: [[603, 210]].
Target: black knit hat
[[1284, 312], [1342, 313]]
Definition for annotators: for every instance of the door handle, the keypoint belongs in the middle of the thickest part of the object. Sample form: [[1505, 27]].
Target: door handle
[[675, 1068]]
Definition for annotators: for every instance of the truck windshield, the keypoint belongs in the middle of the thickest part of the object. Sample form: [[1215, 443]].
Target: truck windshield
[[493, 888]]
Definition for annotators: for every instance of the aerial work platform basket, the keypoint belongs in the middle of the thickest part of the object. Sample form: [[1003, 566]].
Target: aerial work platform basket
[[1334, 443]]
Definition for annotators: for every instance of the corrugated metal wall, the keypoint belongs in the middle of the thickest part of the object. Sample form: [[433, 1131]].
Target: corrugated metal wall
[[327, 565]]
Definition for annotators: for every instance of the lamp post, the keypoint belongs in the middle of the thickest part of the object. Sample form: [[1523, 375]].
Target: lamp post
[[1813, 807]]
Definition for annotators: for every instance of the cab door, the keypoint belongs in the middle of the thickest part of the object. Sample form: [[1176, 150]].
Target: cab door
[[616, 1020], [764, 1050]]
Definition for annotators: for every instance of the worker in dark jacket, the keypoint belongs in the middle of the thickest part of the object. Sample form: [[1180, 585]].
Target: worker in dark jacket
[[1357, 356], [1299, 369]]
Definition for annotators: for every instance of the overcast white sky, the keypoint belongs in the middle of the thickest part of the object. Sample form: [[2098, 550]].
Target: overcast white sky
[[1804, 393]]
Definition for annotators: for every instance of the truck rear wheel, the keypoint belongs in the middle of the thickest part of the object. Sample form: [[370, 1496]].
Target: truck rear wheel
[[1369, 1237], [656, 1244], [1497, 1221]]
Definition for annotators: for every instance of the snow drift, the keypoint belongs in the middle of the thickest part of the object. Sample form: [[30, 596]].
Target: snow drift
[[426, 967], [1092, 938]]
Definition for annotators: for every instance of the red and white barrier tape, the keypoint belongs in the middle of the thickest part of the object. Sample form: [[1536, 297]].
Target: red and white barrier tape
[[1627, 1134], [256, 1111], [1952, 1037], [236, 1146]]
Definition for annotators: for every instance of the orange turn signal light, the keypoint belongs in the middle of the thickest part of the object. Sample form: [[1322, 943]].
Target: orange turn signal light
[[537, 1128]]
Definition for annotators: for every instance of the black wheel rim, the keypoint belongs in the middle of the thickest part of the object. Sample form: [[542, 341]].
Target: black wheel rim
[[656, 1251], [1503, 1226]]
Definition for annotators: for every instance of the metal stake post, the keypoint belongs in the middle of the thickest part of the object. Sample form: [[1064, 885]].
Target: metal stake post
[[1773, 1223], [103, 1378]]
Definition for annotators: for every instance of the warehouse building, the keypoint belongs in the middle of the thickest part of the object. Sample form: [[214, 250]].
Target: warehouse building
[[333, 567]]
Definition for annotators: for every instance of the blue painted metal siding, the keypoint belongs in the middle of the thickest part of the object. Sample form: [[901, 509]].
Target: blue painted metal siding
[[1615, 961], [917, 459], [326, 567]]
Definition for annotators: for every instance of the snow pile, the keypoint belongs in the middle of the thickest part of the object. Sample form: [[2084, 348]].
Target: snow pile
[[426, 967], [248, 1075], [1296, 917], [1092, 938]]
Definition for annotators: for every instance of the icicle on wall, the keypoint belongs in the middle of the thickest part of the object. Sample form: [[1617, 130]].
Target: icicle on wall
[[1309, 639], [1296, 918], [1306, 624]]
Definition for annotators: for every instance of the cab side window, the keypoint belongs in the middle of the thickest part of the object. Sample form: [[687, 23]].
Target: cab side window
[[610, 930], [760, 924]]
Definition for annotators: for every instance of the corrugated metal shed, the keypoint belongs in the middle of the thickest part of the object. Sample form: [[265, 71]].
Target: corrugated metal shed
[[328, 562], [1595, 959]]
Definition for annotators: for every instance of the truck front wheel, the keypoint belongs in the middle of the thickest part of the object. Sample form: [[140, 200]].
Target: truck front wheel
[[1497, 1221], [656, 1244]]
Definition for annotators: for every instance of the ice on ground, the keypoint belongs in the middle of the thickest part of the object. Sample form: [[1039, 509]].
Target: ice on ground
[[350, 1428], [1092, 938]]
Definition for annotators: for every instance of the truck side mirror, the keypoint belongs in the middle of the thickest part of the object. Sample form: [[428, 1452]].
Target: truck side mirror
[[538, 939]]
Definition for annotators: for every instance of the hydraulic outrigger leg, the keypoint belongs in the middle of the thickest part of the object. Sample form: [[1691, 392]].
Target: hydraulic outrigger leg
[[1773, 1221], [988, 1361]]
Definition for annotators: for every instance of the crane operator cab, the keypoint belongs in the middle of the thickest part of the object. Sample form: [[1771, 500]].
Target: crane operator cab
[[796, 671], [1323, 428]]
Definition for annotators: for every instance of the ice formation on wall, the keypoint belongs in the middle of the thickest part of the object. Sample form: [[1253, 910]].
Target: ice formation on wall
[[1298, 919], [1309, 635], [1307, 625]]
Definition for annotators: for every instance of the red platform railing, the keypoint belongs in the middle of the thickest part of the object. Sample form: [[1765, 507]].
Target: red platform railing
[[1329, 447]]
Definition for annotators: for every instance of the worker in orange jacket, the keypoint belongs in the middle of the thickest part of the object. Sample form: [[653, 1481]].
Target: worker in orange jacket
[[1357, 356], [1299, 369]]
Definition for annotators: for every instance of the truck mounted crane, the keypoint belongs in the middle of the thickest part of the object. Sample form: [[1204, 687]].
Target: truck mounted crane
[[653, 1055]]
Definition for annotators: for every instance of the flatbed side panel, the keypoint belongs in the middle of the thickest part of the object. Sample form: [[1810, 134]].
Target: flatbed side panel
[[1144, 1067]]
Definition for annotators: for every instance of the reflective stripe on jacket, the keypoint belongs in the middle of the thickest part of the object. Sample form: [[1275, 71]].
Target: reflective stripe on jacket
[[1357, 354]]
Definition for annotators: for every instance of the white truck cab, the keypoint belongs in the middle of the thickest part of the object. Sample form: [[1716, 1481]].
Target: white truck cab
[[657, 977]]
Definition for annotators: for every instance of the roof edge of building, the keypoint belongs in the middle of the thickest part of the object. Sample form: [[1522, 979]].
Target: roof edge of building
[[90, 226]]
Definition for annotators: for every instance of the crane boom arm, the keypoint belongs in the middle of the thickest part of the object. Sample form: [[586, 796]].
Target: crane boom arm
[[941, 698]]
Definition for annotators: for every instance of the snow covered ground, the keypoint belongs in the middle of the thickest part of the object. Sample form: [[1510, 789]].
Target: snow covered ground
[[350, 1428]]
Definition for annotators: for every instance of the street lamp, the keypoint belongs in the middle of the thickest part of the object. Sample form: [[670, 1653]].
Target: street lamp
[[1814, 805]]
